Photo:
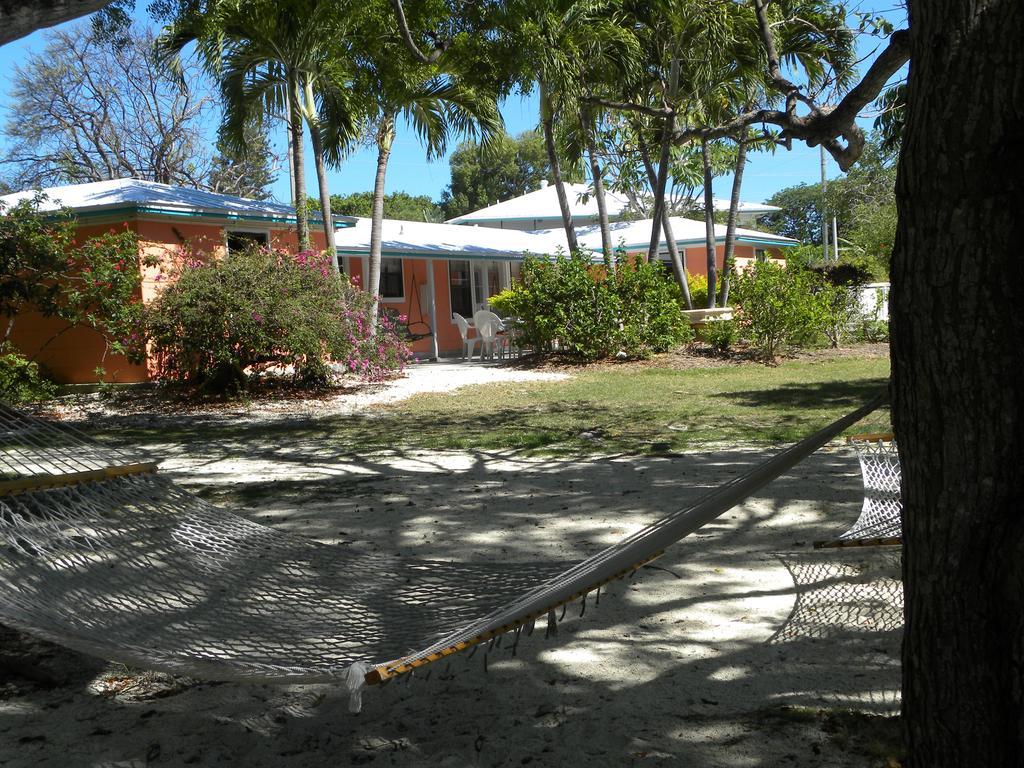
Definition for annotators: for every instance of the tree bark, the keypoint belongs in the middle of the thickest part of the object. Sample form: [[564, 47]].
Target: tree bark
[[678, 268], [23, 17], [730, 225], [547, 122], [668, 128], [709, 223], [659, 217], [385, 138], [957, 350], [321, 177], [587, 126], [295, 125]]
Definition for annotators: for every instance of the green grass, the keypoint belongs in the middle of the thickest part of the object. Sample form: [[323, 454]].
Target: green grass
[[643, 410], [608, 410]]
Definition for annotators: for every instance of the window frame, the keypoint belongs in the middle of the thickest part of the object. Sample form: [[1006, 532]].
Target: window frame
[[228, 232], [401, 269]]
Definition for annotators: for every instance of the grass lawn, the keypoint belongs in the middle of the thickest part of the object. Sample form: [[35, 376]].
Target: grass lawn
[[607, 409], [641, 409]]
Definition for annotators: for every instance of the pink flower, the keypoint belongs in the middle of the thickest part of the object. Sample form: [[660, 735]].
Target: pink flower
[[257, 317]]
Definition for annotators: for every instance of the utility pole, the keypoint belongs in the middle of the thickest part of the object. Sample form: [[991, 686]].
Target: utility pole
[[824, 208]]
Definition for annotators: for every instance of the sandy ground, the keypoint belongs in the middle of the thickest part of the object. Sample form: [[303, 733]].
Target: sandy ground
[[714, 657]]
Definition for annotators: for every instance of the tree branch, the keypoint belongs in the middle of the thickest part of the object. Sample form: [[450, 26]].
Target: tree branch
[[629, 106], [823, 124], [403, 27]]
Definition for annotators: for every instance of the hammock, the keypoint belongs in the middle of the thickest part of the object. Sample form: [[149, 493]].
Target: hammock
[[100, 554], [880, 519]]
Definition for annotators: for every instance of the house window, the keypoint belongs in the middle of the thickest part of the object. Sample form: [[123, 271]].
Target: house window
[[392, 281], [460, 287], [239, 240], [760, 255]]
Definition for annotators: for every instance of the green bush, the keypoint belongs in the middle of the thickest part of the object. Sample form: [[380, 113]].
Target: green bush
[[224, 322], [651, 320], [836, 310], [721, 334], [566, 302], [777, 307], [20, 379]]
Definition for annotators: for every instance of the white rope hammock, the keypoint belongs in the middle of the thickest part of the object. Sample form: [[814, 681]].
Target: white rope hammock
[[100, 554], [881, 516]]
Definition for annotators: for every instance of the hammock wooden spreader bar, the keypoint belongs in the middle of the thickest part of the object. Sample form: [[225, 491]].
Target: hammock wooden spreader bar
[[623, 557], [42, 482]]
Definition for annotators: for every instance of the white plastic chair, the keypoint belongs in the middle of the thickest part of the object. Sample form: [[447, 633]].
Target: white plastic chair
[[492, 333], [468, 343]]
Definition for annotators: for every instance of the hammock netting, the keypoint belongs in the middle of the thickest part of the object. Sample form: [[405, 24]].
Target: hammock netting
[[881, 515], [100, 554]]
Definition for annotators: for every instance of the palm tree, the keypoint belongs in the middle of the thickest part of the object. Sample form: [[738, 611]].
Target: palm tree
[[573, 46], [279, 59], [437, 106], [811, 35]]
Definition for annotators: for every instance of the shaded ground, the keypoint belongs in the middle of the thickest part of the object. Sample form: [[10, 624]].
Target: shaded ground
[[681, 665]]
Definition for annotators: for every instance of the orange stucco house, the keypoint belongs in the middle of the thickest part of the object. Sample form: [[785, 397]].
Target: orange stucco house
[[429, 271], [167, 220]]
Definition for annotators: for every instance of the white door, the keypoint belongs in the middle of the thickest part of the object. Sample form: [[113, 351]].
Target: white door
[[489, 278]]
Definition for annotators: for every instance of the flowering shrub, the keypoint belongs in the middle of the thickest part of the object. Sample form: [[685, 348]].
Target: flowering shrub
[[568, 304], [222, 323], [92, 283]]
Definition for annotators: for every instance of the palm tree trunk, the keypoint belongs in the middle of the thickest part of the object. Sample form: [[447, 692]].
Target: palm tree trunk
[[730, 226], [385, 138], [663, 162], [586, 125], [709, 222], [547, 122], [659, 190], [295, 124], [321, 178], [678, 268]]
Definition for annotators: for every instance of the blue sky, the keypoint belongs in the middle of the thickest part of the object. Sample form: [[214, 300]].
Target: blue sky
[[409, 170]]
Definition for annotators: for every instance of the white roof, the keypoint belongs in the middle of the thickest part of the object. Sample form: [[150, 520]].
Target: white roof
[[636, 235], [543, 204], [424, 239], [161, 198], [453, 241]]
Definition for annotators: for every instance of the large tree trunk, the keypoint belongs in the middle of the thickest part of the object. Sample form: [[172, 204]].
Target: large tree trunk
[[22, 17], [548, 125], [295, 125], [957, 349], [678, 268], [730, 224], [587, 126], [709, 223], [385, 138]]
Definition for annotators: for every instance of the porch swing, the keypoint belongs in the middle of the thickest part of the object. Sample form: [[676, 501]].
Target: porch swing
[[413, 330]]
